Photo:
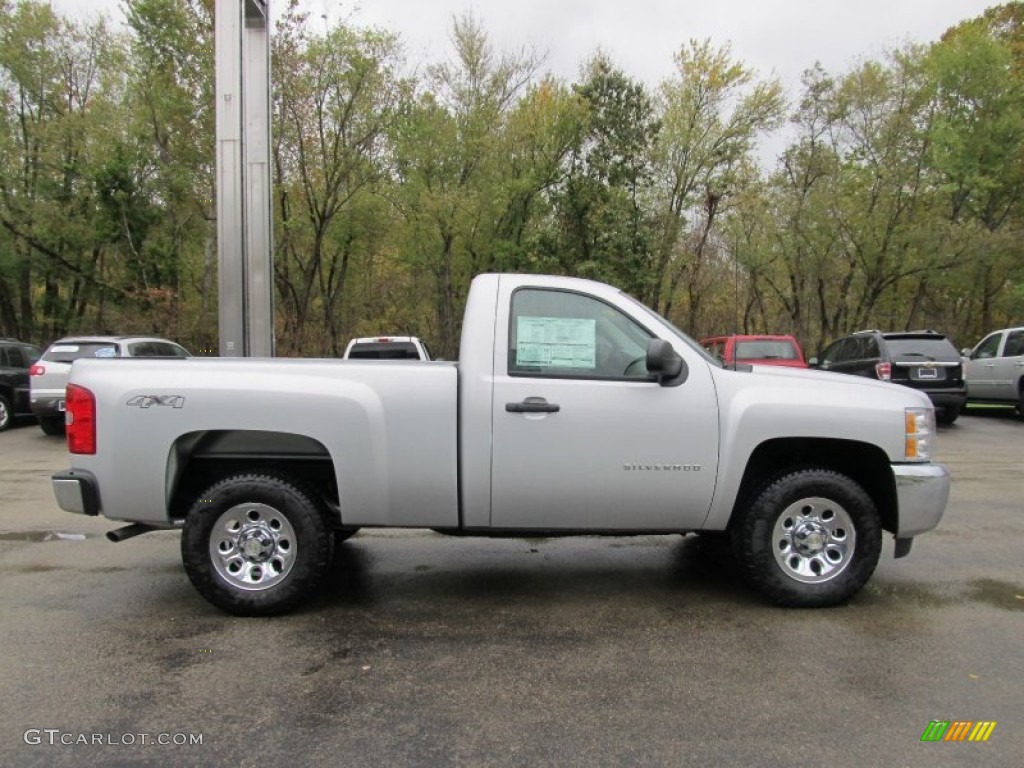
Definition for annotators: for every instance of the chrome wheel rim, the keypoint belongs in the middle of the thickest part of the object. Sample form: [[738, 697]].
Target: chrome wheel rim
[[5, 414], [813, 540], [253, 546]]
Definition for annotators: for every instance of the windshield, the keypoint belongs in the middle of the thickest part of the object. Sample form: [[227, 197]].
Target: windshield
[[689, 342]]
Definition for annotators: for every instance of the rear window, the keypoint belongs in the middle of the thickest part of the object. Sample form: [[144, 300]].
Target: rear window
[[69, 352], [941, 348], [156, 349], [396, 350], [766, 350]]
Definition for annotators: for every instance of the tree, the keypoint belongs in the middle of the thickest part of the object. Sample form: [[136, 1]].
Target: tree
[[977, 148], [448, 144], [712, 111], [334, 100], [56, 107], [603, 229]]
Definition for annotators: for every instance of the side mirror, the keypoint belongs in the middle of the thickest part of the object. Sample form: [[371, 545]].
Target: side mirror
[[966, 351], [812, 363], [665, 363]]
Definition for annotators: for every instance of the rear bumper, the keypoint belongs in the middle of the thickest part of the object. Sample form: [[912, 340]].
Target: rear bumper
[[948, 399], [922, 491], [48, 405], [77, 492]]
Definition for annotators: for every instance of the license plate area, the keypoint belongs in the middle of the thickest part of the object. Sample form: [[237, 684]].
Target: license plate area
[[60, 406]]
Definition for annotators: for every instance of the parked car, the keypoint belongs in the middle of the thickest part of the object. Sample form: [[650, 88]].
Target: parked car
[[386, 348], [994, 369], [759, 350], [16, 357], [49, 376], [924, 360]]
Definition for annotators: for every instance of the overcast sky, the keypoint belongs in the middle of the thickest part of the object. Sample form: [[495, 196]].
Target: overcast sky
[[772, 37], [783, 37]]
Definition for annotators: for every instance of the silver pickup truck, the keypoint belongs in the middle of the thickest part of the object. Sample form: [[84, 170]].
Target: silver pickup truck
[[572, 409]]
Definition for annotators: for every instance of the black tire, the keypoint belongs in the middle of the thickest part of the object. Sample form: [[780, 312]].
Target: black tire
[[948, 415], [6, 414], [52, 425], [341, 535], [257, 544], [811, 539]]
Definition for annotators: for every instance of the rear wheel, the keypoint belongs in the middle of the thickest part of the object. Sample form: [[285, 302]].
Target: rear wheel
[[257, 544], [52, 425], [6, 414], [948, 414], [811, 539]]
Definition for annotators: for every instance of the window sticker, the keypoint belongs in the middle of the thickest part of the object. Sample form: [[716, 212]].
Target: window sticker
[[556, 342], [105, 352]]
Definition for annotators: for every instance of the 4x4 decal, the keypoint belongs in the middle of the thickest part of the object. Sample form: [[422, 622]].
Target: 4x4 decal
[[145, 401]]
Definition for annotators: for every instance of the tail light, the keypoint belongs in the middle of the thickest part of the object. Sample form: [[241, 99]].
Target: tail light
[[81, 419], [883, 371], [37, 370]]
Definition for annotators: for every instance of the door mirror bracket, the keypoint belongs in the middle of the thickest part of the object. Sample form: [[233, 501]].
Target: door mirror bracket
[[665, 363]]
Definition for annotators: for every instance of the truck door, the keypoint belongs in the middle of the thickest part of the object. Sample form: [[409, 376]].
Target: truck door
[[1009, 366], [980, 369], [583, 436]]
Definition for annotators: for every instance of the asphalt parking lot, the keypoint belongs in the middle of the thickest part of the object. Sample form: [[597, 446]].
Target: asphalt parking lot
[[425, 650]]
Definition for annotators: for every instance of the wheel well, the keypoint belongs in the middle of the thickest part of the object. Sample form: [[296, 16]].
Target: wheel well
[[865, 464], [199, 459]]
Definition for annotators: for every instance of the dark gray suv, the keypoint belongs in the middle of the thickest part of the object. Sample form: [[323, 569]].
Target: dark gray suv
[[16, 357], [924, 360]]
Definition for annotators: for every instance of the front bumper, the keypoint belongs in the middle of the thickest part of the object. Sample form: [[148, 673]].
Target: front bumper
[[922, 491], [77, 492]]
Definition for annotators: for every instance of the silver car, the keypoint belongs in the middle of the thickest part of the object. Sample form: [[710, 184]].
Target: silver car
[[49, 376], [994, 369]]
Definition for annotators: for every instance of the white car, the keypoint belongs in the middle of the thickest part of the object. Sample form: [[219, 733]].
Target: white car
[[49, 376], [386, 348], [994, 369]]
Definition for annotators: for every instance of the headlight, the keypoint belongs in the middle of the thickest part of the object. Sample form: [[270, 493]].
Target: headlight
[[920, 431]]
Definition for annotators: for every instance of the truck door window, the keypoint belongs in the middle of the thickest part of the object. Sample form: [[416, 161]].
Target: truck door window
[[988, 347], [1014, 344], [565, 334]]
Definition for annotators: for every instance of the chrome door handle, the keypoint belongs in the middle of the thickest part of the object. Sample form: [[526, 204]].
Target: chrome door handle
[[533, 405]]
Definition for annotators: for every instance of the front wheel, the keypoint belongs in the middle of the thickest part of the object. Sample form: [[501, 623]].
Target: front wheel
[[257, 544], [811, 539]]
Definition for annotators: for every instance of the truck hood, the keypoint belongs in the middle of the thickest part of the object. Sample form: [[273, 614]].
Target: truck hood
[[815, 386]]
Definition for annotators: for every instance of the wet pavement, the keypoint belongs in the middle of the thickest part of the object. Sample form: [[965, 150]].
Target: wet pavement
[[424, 650]]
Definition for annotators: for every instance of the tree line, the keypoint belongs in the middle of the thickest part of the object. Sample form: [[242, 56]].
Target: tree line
[[896, 202]]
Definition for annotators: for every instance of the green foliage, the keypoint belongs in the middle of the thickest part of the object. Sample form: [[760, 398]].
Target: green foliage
[[601, 229], [898, 203]]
